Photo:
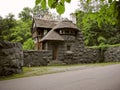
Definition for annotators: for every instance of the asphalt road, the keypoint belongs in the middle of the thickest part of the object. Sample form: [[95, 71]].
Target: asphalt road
[[98, 78]]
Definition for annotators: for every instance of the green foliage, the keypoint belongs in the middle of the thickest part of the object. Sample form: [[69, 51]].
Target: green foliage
[[5, 26], [114, 39], [37, 2], [28, 45], [21, 32], [105, 46], [43, 3], [99, 27], [60, 8], [25, 15], [15, 30], [68, 1], [101, 40], [1, 19], [58, 4], [52, 3]]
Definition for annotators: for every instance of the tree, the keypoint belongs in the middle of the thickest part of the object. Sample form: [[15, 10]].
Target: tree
[[1, 26], [14, 30], [21, 32], [59, 5], [6, 24], [28, 45], [26, 14], [39, 11], [98, 27]]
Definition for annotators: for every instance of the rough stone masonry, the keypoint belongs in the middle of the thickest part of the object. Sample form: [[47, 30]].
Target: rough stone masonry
[[11, 58]]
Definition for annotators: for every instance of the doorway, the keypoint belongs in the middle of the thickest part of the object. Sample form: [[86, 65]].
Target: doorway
[[55, 52]]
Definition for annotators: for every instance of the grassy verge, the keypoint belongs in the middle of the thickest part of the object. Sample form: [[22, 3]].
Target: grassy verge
[[105, 46], [37, 71]]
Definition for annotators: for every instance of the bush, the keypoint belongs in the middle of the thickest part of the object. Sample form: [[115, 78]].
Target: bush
[[28, 45]]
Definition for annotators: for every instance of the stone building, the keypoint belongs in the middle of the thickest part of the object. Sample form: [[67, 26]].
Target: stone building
[[58, 37]]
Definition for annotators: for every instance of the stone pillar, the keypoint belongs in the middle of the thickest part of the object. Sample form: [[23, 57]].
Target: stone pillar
[[11, 58]]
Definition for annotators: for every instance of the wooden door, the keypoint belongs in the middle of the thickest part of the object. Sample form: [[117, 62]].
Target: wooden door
[[55, 52]]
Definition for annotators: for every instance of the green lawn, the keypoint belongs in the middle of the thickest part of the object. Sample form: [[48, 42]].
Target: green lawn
[[37, 71]]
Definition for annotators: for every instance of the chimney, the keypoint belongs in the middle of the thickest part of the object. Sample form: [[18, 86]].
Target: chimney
[[73, 18], [47, 16]]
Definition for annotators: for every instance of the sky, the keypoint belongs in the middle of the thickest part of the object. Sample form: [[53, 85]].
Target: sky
[[16, 6]]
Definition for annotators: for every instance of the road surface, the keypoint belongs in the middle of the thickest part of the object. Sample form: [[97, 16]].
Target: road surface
[[98, 78]]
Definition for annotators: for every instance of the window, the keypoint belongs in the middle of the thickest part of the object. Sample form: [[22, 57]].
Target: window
[[43, 46], [45, 32], [61, 32], [72, 32], [68, 47], [66, 31], [35, 40]]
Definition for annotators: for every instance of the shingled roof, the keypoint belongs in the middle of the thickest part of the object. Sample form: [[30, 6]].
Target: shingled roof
[[53, 36], [65, 24], [44, 23]]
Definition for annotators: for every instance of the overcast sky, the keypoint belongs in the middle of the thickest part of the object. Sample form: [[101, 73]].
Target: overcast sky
[[16, 6]]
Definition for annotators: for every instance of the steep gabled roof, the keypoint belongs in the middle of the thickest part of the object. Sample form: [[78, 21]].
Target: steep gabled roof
[[52, 36], [65, 24], [42, 23]]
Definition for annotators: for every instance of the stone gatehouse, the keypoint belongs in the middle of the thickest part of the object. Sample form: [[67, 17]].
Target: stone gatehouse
[[58, 37], [54, 41], [63, 41]]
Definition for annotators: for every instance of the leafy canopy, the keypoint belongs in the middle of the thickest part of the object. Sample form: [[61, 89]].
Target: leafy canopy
[[58, 4], [98, 25]]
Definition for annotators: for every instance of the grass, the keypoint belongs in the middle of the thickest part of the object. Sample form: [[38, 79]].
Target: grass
[[105, 46], [37, 71]]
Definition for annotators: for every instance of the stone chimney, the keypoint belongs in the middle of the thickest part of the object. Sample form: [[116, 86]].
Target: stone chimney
[[47, 16], [73, 18]]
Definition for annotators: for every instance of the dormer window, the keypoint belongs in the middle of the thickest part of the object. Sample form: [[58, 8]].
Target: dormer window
[[61, 32], [66, 32]]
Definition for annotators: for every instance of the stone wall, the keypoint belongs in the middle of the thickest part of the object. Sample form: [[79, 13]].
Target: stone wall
[[92, 55], [84, 55], [11, 58], [89, 55], [37, 58], [112, 54], [80, 54]]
